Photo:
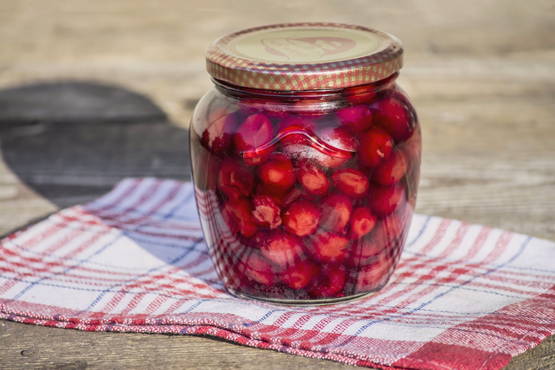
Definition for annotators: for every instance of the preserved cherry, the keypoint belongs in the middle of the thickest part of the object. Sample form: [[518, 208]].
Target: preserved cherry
[[305, 193]]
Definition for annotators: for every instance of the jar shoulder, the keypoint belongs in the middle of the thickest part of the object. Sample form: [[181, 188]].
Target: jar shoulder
[[356, 111]]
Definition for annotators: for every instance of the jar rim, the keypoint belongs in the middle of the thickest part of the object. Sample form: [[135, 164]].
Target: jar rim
[[304, 56], [340, 92]]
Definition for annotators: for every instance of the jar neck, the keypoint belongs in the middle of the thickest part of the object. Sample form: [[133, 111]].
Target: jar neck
[[240, 92]]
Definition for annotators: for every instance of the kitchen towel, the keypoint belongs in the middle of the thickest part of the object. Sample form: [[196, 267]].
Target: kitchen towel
[[463, 296]]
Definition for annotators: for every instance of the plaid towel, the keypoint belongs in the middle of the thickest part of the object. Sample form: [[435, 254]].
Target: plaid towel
[[464, 296]]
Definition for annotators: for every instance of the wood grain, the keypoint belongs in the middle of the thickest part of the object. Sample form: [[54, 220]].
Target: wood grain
[[479, 72]]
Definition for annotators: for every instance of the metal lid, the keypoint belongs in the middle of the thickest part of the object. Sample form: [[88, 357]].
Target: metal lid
[[304, 56]]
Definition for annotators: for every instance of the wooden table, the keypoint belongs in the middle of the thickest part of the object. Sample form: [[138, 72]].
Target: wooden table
[[92, 92]]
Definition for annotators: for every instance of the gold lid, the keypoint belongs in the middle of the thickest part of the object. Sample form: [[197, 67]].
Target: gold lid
[[304, 56]]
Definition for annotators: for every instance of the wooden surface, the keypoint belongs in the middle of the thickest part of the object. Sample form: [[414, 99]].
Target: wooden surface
[[91, 92]]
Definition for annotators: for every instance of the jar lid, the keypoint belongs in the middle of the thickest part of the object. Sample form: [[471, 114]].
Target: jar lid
[[304, 56]]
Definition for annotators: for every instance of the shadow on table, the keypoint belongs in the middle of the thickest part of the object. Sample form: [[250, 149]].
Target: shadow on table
[[71, 141]]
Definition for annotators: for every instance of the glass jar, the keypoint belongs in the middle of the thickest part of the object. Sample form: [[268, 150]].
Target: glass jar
[[305, 158]]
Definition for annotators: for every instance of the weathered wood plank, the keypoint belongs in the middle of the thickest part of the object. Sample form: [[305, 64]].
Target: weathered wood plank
[[25, 346]]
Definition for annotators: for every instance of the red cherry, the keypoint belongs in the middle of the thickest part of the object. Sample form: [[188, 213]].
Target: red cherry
[[257, 268], [394, 118], [281, 248], [329, 247], [221, 126], [351, 182], [277, 172], [318, 153], [364, 251], [330, 282], [374, 275], [337, 138], [291, 196], [300, 275], [282, 198], [301, 218], [266, 212], [375, 145], [412, 147], [251, 137], [234, 180], [392, 169], [336, 212], [295, 130], [295, 123], [385, 199], [277, 195], [256, 157], [255, 131], [237, 213], [312, 178], [362, 222], [360, 94], [357, 118], [325, 158], [331, 147]]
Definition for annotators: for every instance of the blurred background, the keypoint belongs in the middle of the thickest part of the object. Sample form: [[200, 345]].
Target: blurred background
[[480, 73]]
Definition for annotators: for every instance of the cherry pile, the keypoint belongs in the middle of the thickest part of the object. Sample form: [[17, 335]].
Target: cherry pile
[[307, 203]]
